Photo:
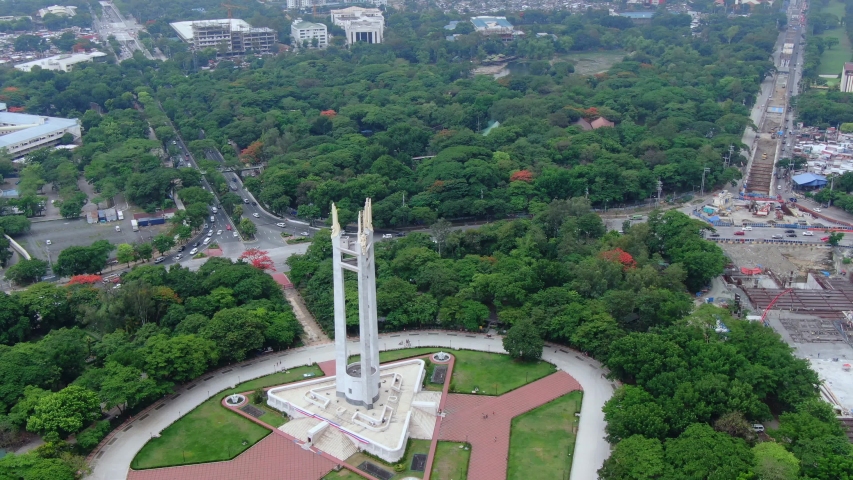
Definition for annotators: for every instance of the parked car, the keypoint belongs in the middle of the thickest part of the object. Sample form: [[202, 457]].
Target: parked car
[[193, 251], [808, 234], [757, 428], [256, 215], [740, 232], [159, 259]]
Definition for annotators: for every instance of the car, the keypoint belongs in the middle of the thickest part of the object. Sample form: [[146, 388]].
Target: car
[[254, 204], [118, 228], [48, 242], [204, 227], [182, 248], [715, 234], [747, 229], [757, 428], [792, 235], [808, 234], [219, 232], [824, 239], [210, 233], [193, 251], [281, 224], [233, 188], [740, 232], [196, 244], [246, 201], [778, 187], [234, 179], [159, 259], [790, 231], [777, 236], [236, 234], [401, 234], [387, 235], [179, 256], [818, 210], [304, 234], [228, 227], [256, 215]]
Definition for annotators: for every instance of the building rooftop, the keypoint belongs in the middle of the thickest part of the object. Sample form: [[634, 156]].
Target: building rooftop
[[482, 23], [637, 15], [41, 126], [300, 24], [185, 29], [61, 61]]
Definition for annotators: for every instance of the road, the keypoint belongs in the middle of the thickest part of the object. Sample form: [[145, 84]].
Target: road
[[590, 451]]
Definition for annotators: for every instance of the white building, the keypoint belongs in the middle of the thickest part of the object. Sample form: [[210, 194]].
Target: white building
[[61, 63], [236, 35], [21, 133], [360, 24], [58, 10], [302, 31], [846, 84]]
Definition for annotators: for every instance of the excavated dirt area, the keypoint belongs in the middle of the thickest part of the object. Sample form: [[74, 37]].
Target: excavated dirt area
[[779, 258]]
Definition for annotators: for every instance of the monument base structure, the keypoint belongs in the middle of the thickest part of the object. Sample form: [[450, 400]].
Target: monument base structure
[[323, 420]]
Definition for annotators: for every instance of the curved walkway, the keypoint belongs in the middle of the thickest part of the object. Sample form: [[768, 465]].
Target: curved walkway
[[113, 461]]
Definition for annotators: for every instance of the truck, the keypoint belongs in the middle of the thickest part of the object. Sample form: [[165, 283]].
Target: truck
[[135, 225], [120, 215]]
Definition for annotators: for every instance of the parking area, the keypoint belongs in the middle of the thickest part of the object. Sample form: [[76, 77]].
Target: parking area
[[69, 233]]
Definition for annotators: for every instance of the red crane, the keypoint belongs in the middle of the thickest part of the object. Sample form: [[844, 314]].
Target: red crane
[[773, 302]]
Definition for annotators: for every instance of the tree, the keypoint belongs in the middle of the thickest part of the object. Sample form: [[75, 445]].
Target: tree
[[78, 260], [308, 212], [180, 358], [143, 251], [15, 224], [71, 209], [125, 253], [236, 331], [773, 461], [835, 238], [27, 271], [163, 243], [440, 230], [65, 412], [14, 323], [258, 259], [127, 386], [635, 458], [523, 341], [700, 452], [248, 227]]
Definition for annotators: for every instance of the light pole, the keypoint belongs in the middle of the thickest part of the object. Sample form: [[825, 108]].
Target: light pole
[[704, 171]]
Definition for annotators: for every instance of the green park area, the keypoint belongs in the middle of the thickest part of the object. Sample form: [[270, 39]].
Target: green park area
[[542, 441], [451, 461], [342, 474], [832, 60], [212, 433], [403, 469]]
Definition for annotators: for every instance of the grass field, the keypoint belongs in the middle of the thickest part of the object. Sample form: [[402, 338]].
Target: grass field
[[832, 61], [413, 447], [542, 441], [343, 474], [211, 432], [492, 373], [451, 462]]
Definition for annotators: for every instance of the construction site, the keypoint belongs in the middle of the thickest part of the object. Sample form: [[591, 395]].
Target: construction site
[[771, 128]]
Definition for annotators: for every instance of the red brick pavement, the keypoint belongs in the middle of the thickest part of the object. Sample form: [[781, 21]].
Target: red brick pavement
[[328, 368], [489, 438], [273, 458]]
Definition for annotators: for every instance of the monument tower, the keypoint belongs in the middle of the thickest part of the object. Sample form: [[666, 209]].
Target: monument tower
[[359, 381]]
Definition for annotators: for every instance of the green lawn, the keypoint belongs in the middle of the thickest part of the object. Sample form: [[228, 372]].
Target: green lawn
[[413, 447], [451, 462], [492, 373], [832, 61], [343, 474], [211, 432], [542, 441]]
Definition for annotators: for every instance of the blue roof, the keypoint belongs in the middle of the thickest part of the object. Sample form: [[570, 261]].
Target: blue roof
[[809, 179], [42, 126], [637, 15], [451, 25], [490, 22]]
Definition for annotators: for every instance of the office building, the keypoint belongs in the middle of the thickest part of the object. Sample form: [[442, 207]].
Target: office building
[[60, 63], [21, 133], [360, 24], [302, 31], [58, 10]]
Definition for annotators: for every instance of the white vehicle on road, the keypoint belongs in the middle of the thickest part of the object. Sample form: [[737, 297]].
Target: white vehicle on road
[[747, 229], [304, 234], [219, 232], [193, 251], [256, 215], [818, 210], [387, 235], [808, 234], [282, 225]]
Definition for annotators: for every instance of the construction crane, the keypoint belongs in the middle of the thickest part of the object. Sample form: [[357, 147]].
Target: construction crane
[[229, 7], [773, 302]]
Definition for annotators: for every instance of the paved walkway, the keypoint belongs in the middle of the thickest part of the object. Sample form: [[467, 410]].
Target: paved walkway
[[265, 460], [489, 437], [113, 461], [313, 334]]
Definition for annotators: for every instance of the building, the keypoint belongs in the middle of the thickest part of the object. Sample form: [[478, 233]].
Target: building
[[639, 18], [21, 133], [14, 18], [302, 31], [809, 181], [595, 124], [234, 36], [498, 26], [366, 406], [846, 78], [58, 10], [60, 63], [360, 24]]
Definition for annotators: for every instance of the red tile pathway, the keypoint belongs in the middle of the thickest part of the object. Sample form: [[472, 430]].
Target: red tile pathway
[[273, 458], [328, 367], [489, 438]]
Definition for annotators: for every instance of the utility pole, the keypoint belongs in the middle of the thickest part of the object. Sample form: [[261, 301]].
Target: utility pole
[[704, 171]]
